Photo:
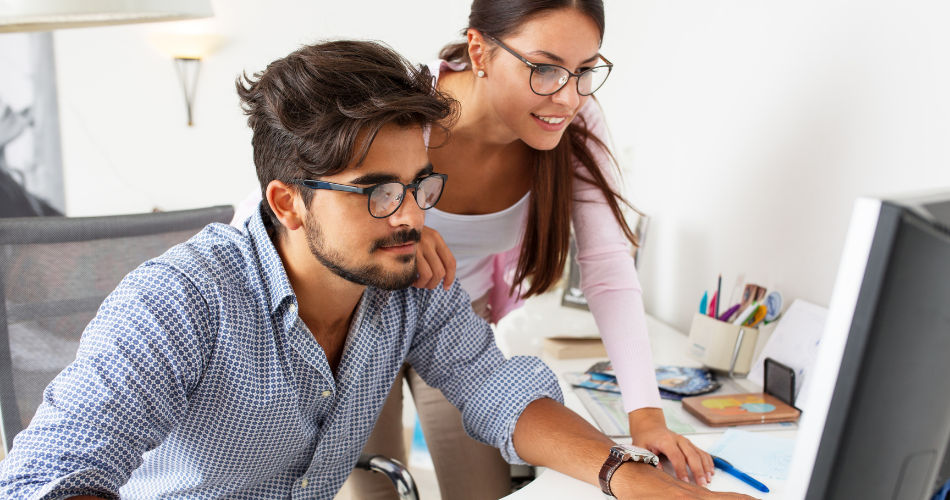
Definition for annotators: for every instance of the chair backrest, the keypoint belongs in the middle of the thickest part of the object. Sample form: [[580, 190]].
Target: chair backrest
[[54, 274]]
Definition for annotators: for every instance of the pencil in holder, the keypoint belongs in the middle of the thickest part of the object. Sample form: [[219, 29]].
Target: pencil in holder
[[722, 346]]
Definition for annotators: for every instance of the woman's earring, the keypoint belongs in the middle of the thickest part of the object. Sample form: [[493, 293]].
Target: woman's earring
[[481, 74]]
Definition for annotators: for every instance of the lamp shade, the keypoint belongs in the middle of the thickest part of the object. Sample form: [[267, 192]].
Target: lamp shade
[[45, 15]]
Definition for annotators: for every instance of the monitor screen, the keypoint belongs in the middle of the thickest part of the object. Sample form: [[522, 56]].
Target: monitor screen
[[879, 428]]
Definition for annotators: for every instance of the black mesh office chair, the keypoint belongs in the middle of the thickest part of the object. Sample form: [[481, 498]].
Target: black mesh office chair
[[54, 274]]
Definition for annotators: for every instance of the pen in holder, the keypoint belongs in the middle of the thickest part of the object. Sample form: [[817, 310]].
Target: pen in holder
[[722, 346]]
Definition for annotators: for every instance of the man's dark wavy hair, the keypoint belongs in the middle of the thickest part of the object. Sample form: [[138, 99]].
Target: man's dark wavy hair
[[308, 109]]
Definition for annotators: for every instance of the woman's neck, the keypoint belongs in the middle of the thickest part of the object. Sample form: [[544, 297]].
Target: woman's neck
[[479, 128], [482, 155]]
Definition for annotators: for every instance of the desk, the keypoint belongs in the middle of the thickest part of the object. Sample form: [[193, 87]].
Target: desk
[[521, 333]]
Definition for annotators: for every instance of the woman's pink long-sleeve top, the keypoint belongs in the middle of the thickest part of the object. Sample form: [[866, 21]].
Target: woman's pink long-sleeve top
[[608, 279]]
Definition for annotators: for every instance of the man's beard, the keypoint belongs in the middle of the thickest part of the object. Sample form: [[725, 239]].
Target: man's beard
[[370, 274]]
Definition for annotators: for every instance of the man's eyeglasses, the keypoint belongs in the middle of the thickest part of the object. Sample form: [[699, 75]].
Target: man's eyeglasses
[[549, 79], [386, 198]]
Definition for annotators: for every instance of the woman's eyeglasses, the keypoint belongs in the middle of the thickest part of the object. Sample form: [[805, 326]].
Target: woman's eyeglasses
[[549, 79], [386, 198]]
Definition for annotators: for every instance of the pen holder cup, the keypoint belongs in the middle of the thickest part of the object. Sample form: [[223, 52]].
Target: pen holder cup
[[722, 346]]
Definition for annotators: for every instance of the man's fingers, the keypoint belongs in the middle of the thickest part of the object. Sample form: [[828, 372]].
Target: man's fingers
[[648, 482]]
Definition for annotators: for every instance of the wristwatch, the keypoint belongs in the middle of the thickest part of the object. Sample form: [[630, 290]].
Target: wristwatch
[[619, 454]]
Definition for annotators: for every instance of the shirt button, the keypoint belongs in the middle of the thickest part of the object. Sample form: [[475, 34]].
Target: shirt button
[[304, 483], [292, 309], [327, 394]]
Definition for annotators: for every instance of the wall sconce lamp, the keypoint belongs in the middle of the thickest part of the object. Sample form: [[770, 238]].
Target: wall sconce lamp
[[187, 52], [45, 15]]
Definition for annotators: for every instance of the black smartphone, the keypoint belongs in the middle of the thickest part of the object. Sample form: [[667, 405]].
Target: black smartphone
[[779, 381]]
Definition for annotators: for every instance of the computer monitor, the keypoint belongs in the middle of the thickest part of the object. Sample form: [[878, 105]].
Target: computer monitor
[[878, 417]]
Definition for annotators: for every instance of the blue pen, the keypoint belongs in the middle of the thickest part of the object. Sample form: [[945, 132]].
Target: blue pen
[[729, 469], [702, 303]]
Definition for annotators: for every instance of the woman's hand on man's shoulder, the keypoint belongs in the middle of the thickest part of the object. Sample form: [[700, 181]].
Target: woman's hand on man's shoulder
[[434, 261]]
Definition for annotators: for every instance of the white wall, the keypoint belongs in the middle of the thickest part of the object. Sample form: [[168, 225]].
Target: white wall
[[748, 128], [127, 146]]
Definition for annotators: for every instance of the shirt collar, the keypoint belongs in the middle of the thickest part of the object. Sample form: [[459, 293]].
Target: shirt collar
[[276, 283]]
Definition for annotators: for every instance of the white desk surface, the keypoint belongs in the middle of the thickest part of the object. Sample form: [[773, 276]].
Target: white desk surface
[[544, 317]]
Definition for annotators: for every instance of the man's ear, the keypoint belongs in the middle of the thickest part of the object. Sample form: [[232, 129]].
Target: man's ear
[[477, 51], [282, 200]]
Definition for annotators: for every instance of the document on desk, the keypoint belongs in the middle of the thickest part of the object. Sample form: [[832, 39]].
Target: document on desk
[[795, 344], [607, 410], [755, 453]]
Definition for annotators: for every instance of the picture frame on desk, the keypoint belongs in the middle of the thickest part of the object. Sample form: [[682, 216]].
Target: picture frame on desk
[[573, 296]]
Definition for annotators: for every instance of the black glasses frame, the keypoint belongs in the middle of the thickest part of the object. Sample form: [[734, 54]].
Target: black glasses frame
[[534, 67], [368, 191]]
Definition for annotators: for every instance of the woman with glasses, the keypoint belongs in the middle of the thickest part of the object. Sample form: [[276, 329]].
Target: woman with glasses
[[526, 158]]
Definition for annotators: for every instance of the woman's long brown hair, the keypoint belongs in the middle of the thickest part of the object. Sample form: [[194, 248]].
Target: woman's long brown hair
[[547, 236]]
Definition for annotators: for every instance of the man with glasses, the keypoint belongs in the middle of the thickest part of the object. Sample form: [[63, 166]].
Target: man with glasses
[[253, 363]]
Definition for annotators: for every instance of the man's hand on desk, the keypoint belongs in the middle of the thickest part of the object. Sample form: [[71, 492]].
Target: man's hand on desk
[[648, 430], [550, 435], [643, 482]]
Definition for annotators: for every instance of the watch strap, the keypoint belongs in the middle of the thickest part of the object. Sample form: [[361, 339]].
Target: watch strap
[[607, 471]]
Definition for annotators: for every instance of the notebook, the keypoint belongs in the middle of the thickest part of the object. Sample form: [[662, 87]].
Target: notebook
[[740, 409]]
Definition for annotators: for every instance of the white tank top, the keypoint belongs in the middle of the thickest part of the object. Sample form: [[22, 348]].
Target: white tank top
[[474, 239]]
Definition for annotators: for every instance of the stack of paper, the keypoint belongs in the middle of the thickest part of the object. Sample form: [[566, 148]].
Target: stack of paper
[[755, 453], [794, 344]]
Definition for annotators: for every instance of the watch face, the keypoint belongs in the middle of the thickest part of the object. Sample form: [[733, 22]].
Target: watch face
[[635, 449], [637, 454]]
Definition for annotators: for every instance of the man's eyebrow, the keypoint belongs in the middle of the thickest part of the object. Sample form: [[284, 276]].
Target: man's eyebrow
[[557, 59], [381, 177], [424, 171], [374, 178]]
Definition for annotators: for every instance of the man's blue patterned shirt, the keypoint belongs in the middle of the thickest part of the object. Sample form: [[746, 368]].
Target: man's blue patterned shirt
[[197, 379]]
